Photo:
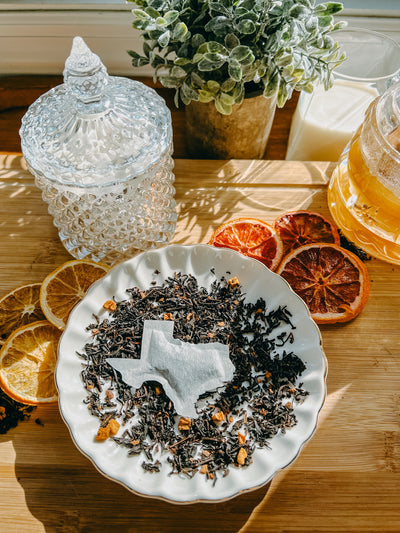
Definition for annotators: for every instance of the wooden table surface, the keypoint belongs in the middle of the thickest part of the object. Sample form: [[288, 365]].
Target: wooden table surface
[[346, 479]]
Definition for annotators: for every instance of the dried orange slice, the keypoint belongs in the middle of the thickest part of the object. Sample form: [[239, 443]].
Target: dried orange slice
[[27, 363], [333, 282], [297, 228], [18, 308], [252, 237], [63, 288]]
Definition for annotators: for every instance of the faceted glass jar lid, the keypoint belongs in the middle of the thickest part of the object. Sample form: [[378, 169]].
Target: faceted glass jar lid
[[94, 129]]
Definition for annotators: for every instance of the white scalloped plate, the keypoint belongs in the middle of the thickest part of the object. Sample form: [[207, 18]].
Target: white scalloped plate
[[111, 459]]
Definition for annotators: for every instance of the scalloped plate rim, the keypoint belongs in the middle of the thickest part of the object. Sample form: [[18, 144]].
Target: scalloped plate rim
[[189, 249]]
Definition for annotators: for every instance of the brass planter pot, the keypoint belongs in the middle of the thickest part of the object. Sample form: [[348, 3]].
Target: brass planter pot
[[241, 135]]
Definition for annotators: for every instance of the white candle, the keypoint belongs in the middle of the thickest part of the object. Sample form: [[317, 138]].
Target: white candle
[[325, 121]]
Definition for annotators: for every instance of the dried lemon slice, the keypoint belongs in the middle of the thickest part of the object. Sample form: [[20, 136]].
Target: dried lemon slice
[[18, 308], [63, 288], [27, 363]]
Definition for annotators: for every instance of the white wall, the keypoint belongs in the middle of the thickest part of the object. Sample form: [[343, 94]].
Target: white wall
[[36, 39]]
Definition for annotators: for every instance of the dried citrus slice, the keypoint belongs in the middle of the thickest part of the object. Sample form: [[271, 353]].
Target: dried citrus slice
[[252, 237], [332, 281], [27, 363], [63, 288], [18, 308], [297, 228]]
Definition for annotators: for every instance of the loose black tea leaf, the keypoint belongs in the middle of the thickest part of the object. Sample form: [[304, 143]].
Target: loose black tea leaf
[[233, 420], [349, 245], [12, 412]]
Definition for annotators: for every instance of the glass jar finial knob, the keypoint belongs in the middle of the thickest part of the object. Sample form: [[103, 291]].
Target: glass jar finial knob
[[84, 74]]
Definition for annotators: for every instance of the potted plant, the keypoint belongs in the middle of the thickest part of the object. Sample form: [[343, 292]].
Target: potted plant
[[232, 61]]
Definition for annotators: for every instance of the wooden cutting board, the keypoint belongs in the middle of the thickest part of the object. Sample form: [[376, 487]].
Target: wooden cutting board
[[346, 479]]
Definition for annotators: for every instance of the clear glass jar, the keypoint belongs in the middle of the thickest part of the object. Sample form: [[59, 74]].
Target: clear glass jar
[[364, 191], [325, 121], [100, 148]]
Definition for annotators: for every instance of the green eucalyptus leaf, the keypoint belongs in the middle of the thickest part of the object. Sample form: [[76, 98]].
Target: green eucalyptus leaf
[[212, 47], [140, 14], [184, 98], [133, 54], [154, 4], [213, 86], [178, 72], [298, 73], [246, 26], [231, 41], [249, 15], [328, 42], [205, 96], [217, 48], [298, 11], [235, 70], [238, 93], [197, 40], [161, 22], [242, 54], [261, 71], [203, 48], [311, 24], [227, 99], [281, 45], [197, 58], [282, 95], [189, 92], [156, 60], [228, 85], [308, 87], [331, 8], [169, 82], [138, 60], [241, 11], [171, 16], [287, 72], [249, 4], [155, 34], [141, 25], [276, 11], [147, 48], [271, 86], [180, 31], [196, 80], [208, 66], [218, 25], [211, 62], [153, 13], [183, 50], [339, 25], [182, 61], [324, 21], [163, 39], [222, 107], [217, 7], [285, 59]]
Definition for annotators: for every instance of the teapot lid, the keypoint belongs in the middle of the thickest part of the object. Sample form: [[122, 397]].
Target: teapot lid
[[94, 129]]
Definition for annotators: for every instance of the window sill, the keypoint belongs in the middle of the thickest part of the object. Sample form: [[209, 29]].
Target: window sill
[[37, 41]]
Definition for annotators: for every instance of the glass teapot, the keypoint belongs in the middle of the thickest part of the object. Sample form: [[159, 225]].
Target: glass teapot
[[100, 148], [364, 191]]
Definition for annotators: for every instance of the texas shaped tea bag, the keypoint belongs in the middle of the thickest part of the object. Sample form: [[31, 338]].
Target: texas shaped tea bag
[[184, 370]]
